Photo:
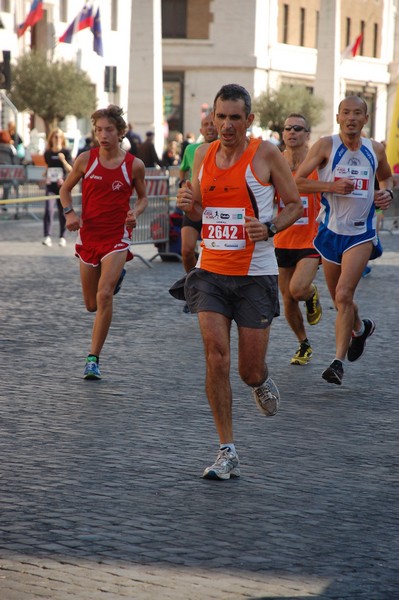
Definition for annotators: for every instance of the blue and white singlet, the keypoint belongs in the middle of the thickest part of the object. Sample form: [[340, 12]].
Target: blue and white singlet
[[354, 213]]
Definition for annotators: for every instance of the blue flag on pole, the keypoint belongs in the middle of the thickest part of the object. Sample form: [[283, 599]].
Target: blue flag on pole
[[96, 29]]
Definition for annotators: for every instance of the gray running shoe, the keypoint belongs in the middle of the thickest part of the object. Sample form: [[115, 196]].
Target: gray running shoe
[[225, 466], [267, 397]]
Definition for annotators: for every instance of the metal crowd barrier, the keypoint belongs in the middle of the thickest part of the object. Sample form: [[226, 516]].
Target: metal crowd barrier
[[26, 187], [153, 225]]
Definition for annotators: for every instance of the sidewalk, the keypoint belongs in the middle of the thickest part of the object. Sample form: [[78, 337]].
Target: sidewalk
[[101, 495]]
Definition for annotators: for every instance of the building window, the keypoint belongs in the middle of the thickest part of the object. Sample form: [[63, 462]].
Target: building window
[[63, 11], [302, 15], [173, 86], [285, 23], [362, 28], [174, 18], [375, 40], [348, 31], [5, 5], [114, 15]]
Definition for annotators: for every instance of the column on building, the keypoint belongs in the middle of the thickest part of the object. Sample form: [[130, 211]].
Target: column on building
[[327, 82], [145, 106]]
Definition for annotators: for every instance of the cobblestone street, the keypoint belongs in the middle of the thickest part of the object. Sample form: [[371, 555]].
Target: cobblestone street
[[100, 481]]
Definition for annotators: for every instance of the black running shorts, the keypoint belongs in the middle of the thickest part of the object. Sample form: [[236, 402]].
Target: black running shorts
[[251, 301], [289, 258]]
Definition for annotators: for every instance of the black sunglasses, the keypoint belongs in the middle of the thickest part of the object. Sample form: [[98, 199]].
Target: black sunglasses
[[295, 128]]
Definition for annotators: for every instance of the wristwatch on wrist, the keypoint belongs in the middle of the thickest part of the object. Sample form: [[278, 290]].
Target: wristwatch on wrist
[[67, 210], [390, 192], [271, 227]]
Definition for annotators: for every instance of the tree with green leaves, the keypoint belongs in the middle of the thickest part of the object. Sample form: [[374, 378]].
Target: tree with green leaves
[[272, 108], [51, 90]]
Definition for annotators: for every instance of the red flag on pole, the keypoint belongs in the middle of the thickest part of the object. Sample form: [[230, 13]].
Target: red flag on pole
[[35, 14], [83, 20], [351, 50]]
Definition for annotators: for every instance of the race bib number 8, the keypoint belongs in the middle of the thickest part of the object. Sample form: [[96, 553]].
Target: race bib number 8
[[223, 228]]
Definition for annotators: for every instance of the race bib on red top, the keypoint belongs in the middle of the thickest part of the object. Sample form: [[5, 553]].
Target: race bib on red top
[[361, 176], [223, 228]]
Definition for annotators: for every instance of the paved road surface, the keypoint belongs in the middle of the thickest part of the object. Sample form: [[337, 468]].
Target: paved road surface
[[101, 495]]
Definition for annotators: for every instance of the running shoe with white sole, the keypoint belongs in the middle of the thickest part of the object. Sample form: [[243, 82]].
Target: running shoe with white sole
[[267, 397], [357, 344], [313, 308], [334, 373], [92, 370], [225, 466], [303, 355], [47, 241]]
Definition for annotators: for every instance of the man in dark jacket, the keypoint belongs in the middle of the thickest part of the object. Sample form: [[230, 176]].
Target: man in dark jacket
[[147, 152]]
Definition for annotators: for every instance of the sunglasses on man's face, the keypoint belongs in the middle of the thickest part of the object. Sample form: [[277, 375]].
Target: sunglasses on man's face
[[294, 127]]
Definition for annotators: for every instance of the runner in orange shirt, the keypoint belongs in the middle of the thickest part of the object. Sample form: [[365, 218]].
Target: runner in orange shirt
[[297, 258], [236, 274]]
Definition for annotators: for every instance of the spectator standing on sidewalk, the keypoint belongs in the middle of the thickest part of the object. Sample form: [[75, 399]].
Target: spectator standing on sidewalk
[[105, 227], [59, 163], [347, 165], [171, 156], [297, 258], [147, 152], [134, 139], [8, 156], [236, 274]]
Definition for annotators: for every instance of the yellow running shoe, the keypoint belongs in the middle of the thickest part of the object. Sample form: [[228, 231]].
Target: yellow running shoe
[[313, 308], [303, 355]]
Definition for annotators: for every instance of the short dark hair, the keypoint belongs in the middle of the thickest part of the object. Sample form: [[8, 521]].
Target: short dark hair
[[114, 114], [233, 91], [298, 116]]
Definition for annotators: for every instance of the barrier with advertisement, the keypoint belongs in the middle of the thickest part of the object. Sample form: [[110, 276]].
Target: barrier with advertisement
[[155, 225]]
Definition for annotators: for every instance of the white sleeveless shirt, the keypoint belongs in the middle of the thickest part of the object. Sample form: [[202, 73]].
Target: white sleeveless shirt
[[354, 213]]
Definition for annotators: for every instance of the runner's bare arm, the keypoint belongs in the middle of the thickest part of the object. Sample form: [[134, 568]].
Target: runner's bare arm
[[283, 181], [73, 178], [317, 157], [141, 203], [140, 186], [73, 221]]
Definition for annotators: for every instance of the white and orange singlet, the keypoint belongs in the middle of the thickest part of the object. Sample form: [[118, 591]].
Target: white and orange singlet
[[228, 196]]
